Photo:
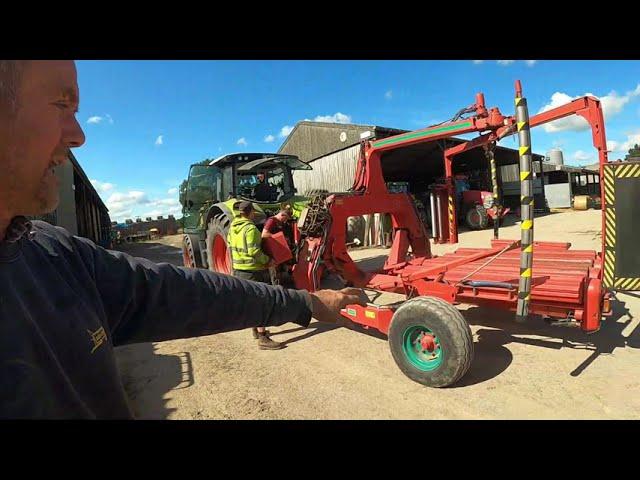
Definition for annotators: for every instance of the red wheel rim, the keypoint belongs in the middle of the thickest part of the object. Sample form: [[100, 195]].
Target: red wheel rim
[[220, 255]]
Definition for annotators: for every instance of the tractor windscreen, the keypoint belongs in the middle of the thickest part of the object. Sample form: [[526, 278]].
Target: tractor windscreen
[[265, 185]]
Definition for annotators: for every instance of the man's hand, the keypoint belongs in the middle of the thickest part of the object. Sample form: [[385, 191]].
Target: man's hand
[[328, 303]]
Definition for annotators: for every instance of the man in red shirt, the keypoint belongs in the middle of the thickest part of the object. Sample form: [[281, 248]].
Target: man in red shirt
[[276, 223]]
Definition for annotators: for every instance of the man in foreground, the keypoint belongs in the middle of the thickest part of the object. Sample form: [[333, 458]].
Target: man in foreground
[[65, 302]]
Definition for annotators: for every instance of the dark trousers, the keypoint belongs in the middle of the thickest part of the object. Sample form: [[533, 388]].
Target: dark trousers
[[253, 275]]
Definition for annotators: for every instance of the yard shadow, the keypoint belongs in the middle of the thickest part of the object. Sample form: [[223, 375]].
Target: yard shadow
[[491, 357], [147, 377], [156, 252]]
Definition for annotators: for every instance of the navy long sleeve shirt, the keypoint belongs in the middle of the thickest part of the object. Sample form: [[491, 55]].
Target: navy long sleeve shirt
[[65, 303]]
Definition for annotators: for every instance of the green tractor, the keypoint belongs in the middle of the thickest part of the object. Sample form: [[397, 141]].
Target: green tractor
[[212, 189]]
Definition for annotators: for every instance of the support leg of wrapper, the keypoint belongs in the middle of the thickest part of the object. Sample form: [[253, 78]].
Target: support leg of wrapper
[[526, 206]]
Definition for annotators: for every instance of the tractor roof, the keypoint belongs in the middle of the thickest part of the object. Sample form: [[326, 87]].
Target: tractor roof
[[235, 158]]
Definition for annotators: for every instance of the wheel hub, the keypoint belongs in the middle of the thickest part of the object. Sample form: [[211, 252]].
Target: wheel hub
[[427, 342], [422, 348]]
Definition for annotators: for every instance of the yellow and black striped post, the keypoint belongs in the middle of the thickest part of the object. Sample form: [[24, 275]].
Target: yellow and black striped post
[[494, 184], [453, 237], [608, 277], [526, 206]]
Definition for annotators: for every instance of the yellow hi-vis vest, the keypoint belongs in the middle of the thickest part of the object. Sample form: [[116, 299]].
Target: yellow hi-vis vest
[[244, 241]]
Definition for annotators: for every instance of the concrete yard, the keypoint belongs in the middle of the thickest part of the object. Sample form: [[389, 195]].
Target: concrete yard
[[531, 371]]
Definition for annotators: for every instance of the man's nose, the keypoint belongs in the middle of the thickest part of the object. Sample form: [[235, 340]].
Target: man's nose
[[73, 135]]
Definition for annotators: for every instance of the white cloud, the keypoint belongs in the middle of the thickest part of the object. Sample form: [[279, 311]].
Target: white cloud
[[102, 187], [129, 205], [388, 95], [612, 104], [122, 205], [164, 207], [335, 118], [159, 140], [242, 141], [478, 62], [269, 138], [582, 156], [505, 62], [530, 63], [285, 131], [98, 119], [612, 145], [167, 202], [623, 147], [172, 191], [132, 197]]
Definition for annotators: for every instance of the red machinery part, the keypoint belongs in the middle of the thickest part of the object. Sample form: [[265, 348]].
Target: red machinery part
[[378, 317], [563, 282], [277, 248]]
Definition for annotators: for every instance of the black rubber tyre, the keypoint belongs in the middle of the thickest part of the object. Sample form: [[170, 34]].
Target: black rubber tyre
[[191, 257], [477, 218], [449, 329], [218, 253]]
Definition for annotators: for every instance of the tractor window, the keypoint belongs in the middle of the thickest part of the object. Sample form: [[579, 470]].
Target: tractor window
[[202, 185], [270, 185]]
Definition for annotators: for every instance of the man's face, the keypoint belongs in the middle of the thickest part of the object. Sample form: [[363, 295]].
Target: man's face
[[283, 217], [261, 177], [37, 138]]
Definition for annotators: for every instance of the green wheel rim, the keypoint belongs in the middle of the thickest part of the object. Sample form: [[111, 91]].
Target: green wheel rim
[[422, 348]]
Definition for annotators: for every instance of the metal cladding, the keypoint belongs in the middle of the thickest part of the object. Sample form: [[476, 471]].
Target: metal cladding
[[526, 208], [612, 174]]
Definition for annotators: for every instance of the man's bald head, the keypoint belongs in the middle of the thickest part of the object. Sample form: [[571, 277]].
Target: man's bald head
[[10, 74]]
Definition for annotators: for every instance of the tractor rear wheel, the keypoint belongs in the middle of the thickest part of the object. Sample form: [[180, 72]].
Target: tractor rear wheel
[[477, 218], [218, 252], [431, 342], [191, 257]]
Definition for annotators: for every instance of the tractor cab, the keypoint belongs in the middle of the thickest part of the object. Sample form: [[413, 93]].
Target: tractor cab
[[263, 178]]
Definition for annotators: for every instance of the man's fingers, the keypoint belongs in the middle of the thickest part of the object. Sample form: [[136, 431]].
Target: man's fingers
[[351, 291], [356, 295], [351, 299]]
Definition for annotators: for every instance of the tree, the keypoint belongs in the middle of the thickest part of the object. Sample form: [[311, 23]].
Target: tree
[[634, 153]]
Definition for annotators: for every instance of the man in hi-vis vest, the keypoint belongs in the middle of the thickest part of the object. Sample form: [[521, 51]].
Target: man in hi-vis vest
[[249, 261]]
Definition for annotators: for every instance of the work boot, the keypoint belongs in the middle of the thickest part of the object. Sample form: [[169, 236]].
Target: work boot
[[265, 343], [256, 334]]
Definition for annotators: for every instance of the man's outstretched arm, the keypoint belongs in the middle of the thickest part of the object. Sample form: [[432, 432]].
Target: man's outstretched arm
[[145, 301]]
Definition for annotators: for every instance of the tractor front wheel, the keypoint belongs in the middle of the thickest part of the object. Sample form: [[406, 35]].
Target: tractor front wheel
[[218, 252], [431, 341]]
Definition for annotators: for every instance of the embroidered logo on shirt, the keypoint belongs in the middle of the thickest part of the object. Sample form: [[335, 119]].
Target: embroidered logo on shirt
[[98, 337]]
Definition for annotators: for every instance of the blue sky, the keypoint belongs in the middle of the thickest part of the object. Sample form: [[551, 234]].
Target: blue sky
[[147, 121]]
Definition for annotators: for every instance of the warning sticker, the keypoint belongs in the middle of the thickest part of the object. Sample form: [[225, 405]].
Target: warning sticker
[[369, 314], [351, 311]]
